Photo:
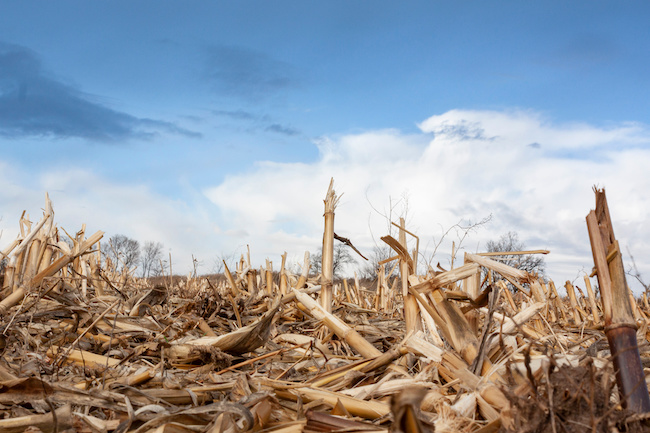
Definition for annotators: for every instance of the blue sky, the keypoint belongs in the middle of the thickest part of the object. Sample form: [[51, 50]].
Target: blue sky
[[211, 125]]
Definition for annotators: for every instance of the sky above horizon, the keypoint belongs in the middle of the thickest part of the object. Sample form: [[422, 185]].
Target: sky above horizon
[[210, 126]]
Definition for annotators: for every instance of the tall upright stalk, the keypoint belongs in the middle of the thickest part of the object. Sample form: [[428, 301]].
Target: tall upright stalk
[[327, 264], [620, 326], [411, 309]]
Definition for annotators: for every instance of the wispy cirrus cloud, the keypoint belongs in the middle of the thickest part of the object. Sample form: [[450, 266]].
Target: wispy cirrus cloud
[[257, 122], [251, 78], [282, 129], [35, 103], [239, 115], [248, 74]]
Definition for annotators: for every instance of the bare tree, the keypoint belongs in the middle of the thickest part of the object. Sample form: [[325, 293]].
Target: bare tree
[[218, 266], [151, 255], [123, 251], [399, 209], [531, 263], [461, 231], [371, 267], [396, 209], [342, 257]]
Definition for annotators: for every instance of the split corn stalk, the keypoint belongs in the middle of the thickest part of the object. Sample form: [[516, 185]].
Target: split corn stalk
[[620, 326]]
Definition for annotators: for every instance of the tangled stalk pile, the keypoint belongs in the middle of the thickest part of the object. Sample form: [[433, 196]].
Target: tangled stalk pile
[[481, 348]]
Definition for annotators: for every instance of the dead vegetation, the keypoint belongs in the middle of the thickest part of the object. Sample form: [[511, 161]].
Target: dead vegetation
[[88, 349]]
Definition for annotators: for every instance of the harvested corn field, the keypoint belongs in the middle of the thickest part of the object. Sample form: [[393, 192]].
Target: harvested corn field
[[483, 347]]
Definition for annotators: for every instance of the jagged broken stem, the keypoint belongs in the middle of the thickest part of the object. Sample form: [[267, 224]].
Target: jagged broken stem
[[620, 326]]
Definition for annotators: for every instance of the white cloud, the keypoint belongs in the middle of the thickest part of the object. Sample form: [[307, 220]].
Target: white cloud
[[519, 127], [79, 197], [462, 167]]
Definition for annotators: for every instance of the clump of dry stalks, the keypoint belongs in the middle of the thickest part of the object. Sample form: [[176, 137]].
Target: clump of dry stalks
[[569, 398], [88, 349]]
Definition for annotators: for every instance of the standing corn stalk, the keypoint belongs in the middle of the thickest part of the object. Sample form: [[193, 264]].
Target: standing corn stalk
[[327, 264], [407, 267], [283, 275], [269, 277], [620, 326], [411, 309]]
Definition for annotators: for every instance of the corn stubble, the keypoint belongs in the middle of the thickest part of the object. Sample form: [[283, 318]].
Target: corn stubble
[[86, 348]]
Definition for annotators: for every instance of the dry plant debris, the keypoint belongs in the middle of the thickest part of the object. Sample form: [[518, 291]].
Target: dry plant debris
[[88, 349]]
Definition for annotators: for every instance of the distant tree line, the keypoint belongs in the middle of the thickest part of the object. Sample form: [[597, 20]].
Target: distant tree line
[[148, 259], [126, 253]]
